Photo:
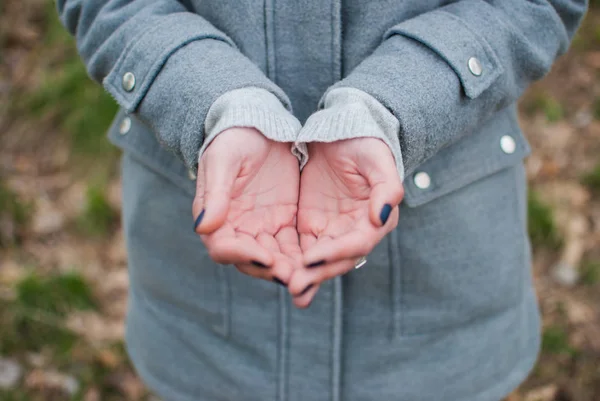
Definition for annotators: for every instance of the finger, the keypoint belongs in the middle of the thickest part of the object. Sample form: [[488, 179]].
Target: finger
[[305, 298], [279, 272], [352, 245], [289, 244], [213, 192], [386, 189], [281, 269], [241, 249], [302, 281], [307, 241], [257, 269], [198, 210], [268, 242], [262, 273], [383, 200]]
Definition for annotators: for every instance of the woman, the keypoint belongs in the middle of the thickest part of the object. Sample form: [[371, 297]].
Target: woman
[[410, 101]]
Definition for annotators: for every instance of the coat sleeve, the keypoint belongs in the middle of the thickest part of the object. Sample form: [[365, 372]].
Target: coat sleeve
[[444, 72], [165, 63]]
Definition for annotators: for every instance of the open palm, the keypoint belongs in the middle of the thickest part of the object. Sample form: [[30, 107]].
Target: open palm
[[348, 201], [246, 203]]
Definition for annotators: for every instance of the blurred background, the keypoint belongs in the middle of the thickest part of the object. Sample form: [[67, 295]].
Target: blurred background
[[63, 278]]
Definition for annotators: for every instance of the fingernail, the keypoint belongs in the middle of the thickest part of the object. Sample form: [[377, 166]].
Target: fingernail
[[199, 219], [316, 264], [304, 291], [281, 283], [385, 213], [258, 264]]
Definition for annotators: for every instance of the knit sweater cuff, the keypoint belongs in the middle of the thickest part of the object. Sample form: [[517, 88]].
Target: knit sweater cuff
[[251, 108], [350, 113]]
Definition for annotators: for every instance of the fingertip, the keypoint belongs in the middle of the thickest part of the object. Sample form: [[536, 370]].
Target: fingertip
[[306, 289], [199, 219], [306, 297], [316, 264], [384, 215], [208, 223], [279, 281], [252, 271], [314, 256], [263, 258], [303, 302], [384, 199], [259, 264], [238, 251]]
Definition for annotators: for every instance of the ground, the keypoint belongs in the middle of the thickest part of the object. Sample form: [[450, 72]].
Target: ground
[[63, 279]]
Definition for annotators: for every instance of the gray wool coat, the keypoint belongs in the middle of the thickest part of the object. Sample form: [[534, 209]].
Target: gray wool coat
[[445, 309]]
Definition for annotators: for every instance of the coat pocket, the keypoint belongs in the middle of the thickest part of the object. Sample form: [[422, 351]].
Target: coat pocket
[[498, 144], [463, 246], [168, 264]]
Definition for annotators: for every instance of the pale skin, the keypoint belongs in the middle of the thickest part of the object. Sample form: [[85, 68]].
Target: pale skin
[[269, 221]]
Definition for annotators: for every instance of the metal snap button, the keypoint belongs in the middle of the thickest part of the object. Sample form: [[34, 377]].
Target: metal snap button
[[128, 81], [508, 144], [475, 66], [422, 180], [125, 126]]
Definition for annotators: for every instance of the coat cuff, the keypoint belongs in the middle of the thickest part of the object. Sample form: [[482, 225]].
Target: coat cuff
[[350, 113], [251, 108], [192, 79]]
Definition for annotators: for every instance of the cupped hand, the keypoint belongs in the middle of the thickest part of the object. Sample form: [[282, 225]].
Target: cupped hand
[[246, 203], [349, 196]]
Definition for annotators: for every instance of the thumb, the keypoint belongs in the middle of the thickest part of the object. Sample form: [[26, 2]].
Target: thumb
[[386, 191], [214, 185]]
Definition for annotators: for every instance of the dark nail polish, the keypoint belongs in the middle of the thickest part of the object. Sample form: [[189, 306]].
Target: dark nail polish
[[316, 264], [307, 289], [258, 264], [199, 219], [281, 283], [385, 213]]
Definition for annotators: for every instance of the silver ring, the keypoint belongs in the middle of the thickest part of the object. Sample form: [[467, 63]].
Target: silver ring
[[360, 262]]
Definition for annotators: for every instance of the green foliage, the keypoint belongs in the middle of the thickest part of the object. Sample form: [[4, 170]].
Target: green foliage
[[542, 102], [13, 395], [14, 211], [32, 331], [56, 35], [553, 110], [592, 180], [555, 340], [67, 97], [77, 105], [587, 37], [56, 294], [596, 108], [33, 321], [10, 203], [98, 216], [542, 228], [590, 273], [98, 373]]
